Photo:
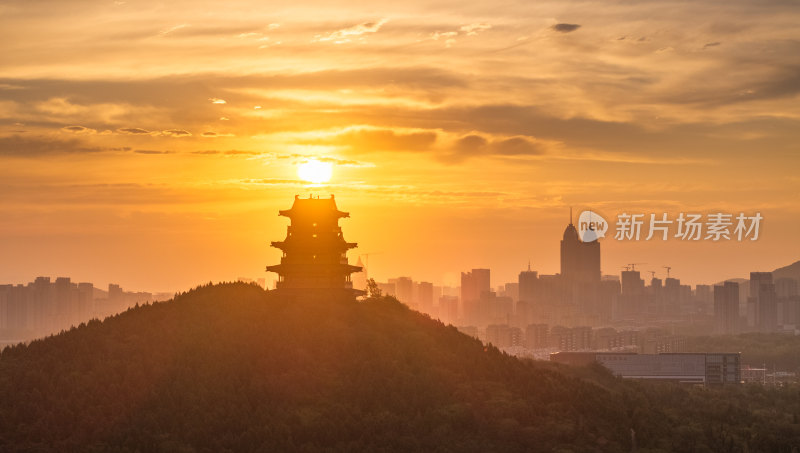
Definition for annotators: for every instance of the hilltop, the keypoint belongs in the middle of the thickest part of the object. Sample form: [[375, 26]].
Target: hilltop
[[231, 367]]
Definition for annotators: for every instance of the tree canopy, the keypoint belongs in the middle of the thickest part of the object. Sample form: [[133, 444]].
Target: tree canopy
[[231, 367]]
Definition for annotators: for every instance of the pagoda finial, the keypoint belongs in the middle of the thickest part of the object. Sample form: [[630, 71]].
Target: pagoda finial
[[570, 215]]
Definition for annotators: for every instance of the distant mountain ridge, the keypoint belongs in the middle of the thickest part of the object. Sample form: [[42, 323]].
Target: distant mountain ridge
[[790, 271], [233, 368]]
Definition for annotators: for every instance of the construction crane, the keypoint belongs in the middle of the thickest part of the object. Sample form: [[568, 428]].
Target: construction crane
[[652, 274], [632, 266], [668, 268]]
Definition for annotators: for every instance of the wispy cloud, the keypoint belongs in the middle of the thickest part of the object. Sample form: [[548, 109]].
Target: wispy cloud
[[133, 130], [346, 35], [474, 29], [173, 29], [79, 130], [176, 133]]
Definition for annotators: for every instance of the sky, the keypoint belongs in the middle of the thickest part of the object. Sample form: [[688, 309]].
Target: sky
[[152, 144]]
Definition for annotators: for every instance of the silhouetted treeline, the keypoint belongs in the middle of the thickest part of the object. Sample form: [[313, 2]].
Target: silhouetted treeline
[[231, 368]]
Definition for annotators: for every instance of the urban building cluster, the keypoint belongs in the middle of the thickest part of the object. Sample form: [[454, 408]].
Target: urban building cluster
[[44, 307], [580, 296]]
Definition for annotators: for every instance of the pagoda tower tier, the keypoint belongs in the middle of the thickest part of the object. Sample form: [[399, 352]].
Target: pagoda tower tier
[[314, 261]]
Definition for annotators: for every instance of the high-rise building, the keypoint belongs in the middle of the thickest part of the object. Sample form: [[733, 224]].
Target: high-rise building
[[388, 289], [786, 287], [404, 290], [85, 301], [726, 308], [473, 284], [704, 297], [788, 302], [314, 262], [631, 300], [448, 309], [763, 295], [580, 261], [425, 297], [527, 284], [672, 296]]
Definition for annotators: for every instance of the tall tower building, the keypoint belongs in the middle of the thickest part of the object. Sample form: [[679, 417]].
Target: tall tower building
[[527, 284], [726, 308], [762, 293], [580, 261], [314, 262], [474, 285]]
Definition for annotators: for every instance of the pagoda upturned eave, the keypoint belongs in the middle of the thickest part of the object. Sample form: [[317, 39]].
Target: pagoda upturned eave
[[340, 268], [292, 245], [291, 212]]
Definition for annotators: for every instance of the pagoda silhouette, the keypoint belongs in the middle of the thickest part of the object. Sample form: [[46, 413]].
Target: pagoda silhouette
[[314, 262]]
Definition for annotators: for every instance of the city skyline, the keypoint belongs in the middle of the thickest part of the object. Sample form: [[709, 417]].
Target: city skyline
[[508, 272]]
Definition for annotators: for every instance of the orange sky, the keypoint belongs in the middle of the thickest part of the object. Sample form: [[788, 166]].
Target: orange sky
[[152, 143]]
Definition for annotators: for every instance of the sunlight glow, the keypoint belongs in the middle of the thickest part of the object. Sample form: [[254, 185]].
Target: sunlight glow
[[315, 171]]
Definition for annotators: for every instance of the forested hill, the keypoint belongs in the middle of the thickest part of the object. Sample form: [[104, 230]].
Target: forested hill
[[232, 368]]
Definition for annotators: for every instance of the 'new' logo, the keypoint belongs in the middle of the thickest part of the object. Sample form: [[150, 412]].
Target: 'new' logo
[[591, 226]]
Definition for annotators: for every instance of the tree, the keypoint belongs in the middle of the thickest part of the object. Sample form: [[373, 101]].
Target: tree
[[373, 290]]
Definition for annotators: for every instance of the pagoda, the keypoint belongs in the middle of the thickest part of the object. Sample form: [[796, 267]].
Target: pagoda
[[314, 262]]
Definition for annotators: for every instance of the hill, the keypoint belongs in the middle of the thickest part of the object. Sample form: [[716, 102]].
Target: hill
[[232, 368], [790, 271]]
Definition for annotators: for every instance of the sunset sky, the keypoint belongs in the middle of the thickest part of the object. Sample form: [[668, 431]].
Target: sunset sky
[[152, 144]]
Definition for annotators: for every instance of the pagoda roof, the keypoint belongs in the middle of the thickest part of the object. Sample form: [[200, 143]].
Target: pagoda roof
[[313, 207], [307, 244], [337, 267]]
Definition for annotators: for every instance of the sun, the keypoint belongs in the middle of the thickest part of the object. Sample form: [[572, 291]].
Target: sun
[[315, 171]]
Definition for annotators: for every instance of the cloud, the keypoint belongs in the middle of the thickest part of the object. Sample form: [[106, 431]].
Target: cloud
[[774, 83], [368, 140], [474, 29], [151, 151], [711, 44], [344, 35], [173, 29], [16, 146], [231, 152], [345, 162], [517, 146], [272, 182], [447, 36], [176, 133], [78, 130], [217, 101], [472, 145], [133, 130], [210, 134], [565, 28]]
